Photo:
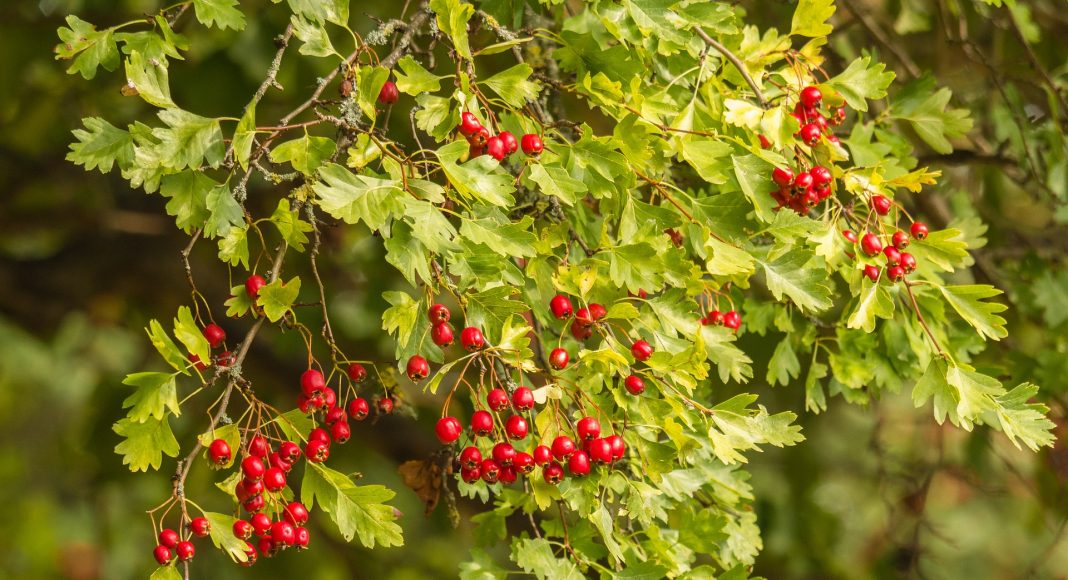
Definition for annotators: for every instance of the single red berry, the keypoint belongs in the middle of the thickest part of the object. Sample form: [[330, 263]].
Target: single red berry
[[833, 139], [895, 273], [279, 462], [274, 479], [195, 359], [329, 398], [471, 475], [252, 468], [261, 524], [438, 313], [317, 451], [508, 475], [715, 318], [532, 144], [765, 143], [732, 320], [385, 405], [811, 96], [553, 473], [254, 504], [523, 463], [491, 470], [267, 547], [389, 93], [469, 124], [340, 432], [542, 455], [511, 145], [200, 526], [169, 538], [258, 446], [226, 359], [601, 451], [881, 204], [162, 554], [558, 358], [253, 285], [290, 451], [359, 409], [185, 551], [496, 148], [303, 537], [442, 335], [617, 445], [215, 335], [563, 447], [822, 193], [908, 262], [641, 350], [820, 175], [560, 306], [900, 240], [312, 382], [784, 176], [242, 529], [479, 138], [803, 181], [918, 230], [588, 428], [470, 458], [474, 151], [504, 453], [811, 134], [578, 464], [471, 339], [357, 373], [872, 272], [481, 423], [497, 399], [811, 197], [581, 331], [634, 385], [319, 434], [251, 488], [583, 317], [516, 427], [418, 368], [219, 452], [871, 244], [523, 399], [283, 533], [448, 429], [334, 415], [598, 311], [295, 513], [250, 555], [893, 256], [849, 236]]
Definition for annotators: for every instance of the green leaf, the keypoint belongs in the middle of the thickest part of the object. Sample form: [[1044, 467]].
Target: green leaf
[[150, 79], [727, 260], [239, 302], [734, 428], [306, 154], [189, 140], [942, 249], [507, 238], [436, 115], [710, 157], [233, 248], [220, 13], [369, 83], [223, 537], [413, 79], [480, 178], [452, 16], [290, 226], [167, 572], [491, 309], [357, 510], [155, 394], [187, 331], [145, 443], [925, 109], [1024, 421], [336, 11], [90, 48], [224, 213], [408, 254], [783, 366], [166, 347], [555, 181], [754, 179], [597, 162], [296, 424], [874, 302], [153, 46], [245, 135], [100, 146], [810, 18], [732, 362], [968, 302], [792, 275], [277, 298], [535, 556], [314, 36], [633, 266], [862, 81], [513, 85], [975, 392], [1051, 294], [353, 198], [188, 193]]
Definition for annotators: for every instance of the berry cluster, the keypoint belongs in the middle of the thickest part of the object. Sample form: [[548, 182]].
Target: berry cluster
[[805, 189], [497, 146], [172, 544], [899, 263]]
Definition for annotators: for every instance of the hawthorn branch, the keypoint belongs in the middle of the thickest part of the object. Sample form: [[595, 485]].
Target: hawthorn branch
[[417, 22], [270, 81], [737, 62]]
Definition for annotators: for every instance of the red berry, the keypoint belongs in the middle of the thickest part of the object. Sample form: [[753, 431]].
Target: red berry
[[803, 181], [340, 432], [504, 453], [169, 538], [578, 464], [497, 399], [872, 272], [195, 359], [588, 428], [558, 358], [715, 318], [317, 451], [359, 409], [811, 134], [441, 334], [474, 151], [219, 452], [601, 451], [470, 458], [811, 197], [418, 368], [279, 462], [215, 335], [479, 138], [258, 446], [481, 423], [253, 285], [560, 306], [918, 230], [765, 143], [357, 373], [893, 256], [871, 244], [471, 475], [523, 399], [563, 447], [811, 96], [511, 145], [732, 320], [508, 475], [438, 313], [226, 359], [532, 144], [542, 455], [823, 193], [252, 467], [820, 175], [584, 317], [895, 273], [900, 240], [389, 93], [162, 554], [617, 445], [200, 526], [491, 470], [267, 547], [243, 529], [334, 415], [471, 339], [250, 555], [295, 513], [303, 537], [634, 385], [641, 350], [880, 204], [523, 463], [469, 124], [283, 533], [329, 398], [597, 311], [385, 405], [849, 236], [580, 331], [261, 524], [319, 434], [908, 262], [784, 176], [254, 504], [448, 429], [516, 427], [312, 382], [250, 488], [289, 451], [185, 551], [496, 148], [274, 479], [553, 473]]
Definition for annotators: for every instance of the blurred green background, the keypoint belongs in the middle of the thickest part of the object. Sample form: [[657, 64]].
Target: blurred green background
[[880, 491]]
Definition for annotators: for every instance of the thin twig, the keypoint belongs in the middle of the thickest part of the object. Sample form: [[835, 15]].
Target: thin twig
[[737, 62], [1036, 63]]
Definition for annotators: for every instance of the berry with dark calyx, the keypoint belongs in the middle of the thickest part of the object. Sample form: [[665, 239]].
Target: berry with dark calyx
[[252, 467], [274, 479], [918, 230], [871, 244], [588, 428], [581, 331], [289, 451], [438, 313], [389, 93], [169, 538], [811, 198], [908, 262], [295, 513], [250, 555], [895, 273], [893, 256], [558, 358], [511, 144], [448, 429], [784, 176], [532, 144], [479, 138], [385, 405], [219, 452], [481, 423], [357, 373], [250, 488], [508, 475], [516, 427], [803, 181], [578, 464], [340, 432], [283, 533], [822, 193], [601, 451], [226, 359], [542, 455], [334, 415], [215, 335], [471, 475], [838, 116], [560, 306], [302, 537], [319, 434], [881, 204], [523, 399], [474, 151], [469, 124], [497, 399], [617, 445], [471, 339], [442, 334], [242, 529], [523, 463], [820, 175], [200, 526], [418, 368], [317, 451], [470, 458], [267, 547], [597, 311], [715, 318], [312, 382], [811, 96], [732, 320], [872, 272], [900, 240], [553, 473], [253, 285], [811, 134], [254, 504], [162, 554], [491, 470], [641, 350], [504, 453], [359, 409], [496, 148], [849, 236], [261, 524], [634, 385], [583, 317], [563, 447], [185, 551]]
